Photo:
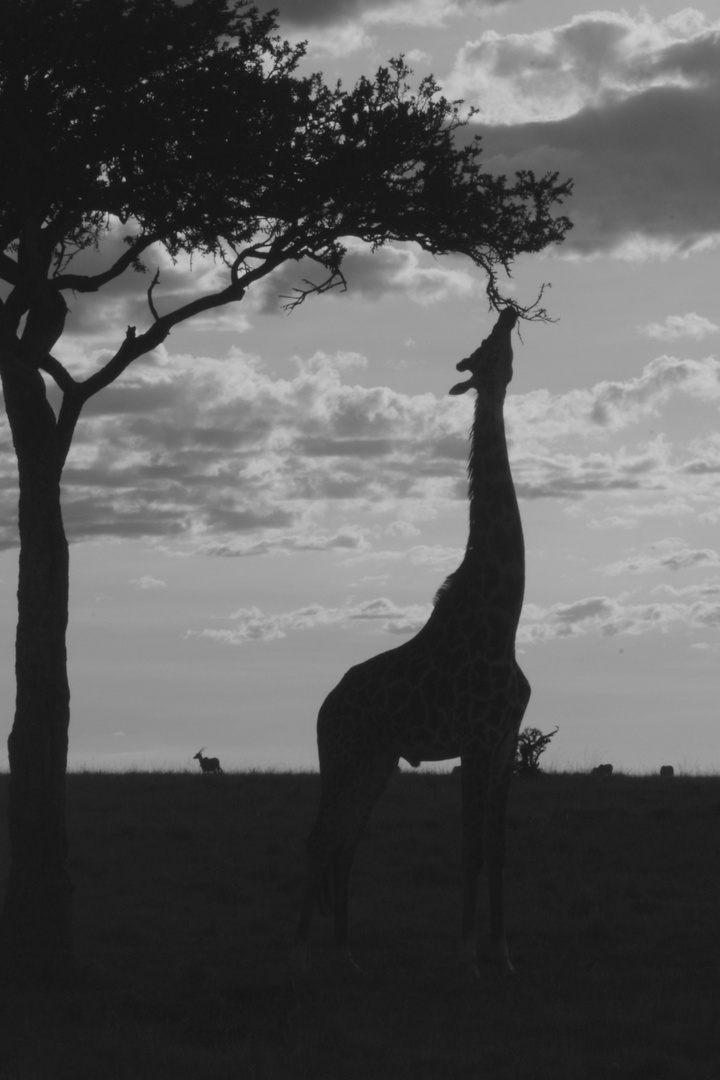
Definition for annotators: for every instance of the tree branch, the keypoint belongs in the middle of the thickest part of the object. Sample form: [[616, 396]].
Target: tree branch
[[59, 373], [8, 269], [151, 305], [93, 282], [114, 367]]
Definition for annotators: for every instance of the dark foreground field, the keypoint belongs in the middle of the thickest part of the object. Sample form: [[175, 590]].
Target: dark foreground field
[[187, 887]]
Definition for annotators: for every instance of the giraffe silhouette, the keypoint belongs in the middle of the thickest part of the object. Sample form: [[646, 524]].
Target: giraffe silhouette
[[455, 689]]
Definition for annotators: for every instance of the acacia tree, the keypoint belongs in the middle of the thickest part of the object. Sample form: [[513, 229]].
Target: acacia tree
[[190, 128]]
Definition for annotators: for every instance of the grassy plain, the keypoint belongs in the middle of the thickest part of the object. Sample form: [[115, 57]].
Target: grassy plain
[[186, 893]]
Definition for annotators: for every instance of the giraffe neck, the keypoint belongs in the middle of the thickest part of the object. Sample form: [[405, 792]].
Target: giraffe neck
[[496, 552]]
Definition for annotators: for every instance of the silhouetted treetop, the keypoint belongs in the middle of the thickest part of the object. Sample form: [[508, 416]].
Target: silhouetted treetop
[[192, 126]]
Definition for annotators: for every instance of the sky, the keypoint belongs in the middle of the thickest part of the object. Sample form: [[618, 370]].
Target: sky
[[270, 498]]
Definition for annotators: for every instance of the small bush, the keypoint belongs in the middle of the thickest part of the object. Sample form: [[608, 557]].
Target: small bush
[[530, 745]]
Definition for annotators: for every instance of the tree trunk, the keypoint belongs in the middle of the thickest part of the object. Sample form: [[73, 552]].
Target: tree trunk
[[35, 923]]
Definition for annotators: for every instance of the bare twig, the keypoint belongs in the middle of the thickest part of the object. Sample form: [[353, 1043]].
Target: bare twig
[[530, 312], [336, 279]]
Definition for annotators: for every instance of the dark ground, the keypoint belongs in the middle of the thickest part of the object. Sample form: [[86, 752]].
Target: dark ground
[[186, 895]]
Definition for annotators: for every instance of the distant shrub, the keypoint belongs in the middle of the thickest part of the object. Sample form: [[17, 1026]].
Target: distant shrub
[[530, 745]]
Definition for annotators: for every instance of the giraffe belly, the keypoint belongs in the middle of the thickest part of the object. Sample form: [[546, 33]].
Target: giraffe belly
[[418, 701], [417, 745], [418, 755]]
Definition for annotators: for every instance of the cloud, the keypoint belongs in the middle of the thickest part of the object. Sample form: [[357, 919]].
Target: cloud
[[696, 609], [314, 12], [678, 326], [437, 556], [703, 589], [338, 28], [226, 458], [220, 453], [616, 403], [573, 476], [325, 13], [612, 405], [252, 624], [417, 56], [619, 103], [670, 554], [373, 275], [565, 446], [148, 582], [346, 539], [607, 616], [597, 58]]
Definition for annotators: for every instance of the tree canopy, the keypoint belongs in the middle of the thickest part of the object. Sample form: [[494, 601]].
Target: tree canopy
[[192, 126]]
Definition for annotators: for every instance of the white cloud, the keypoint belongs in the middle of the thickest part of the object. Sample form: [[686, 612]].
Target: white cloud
[[565, 446], [619, 103], [347, 539], [374, 275], [238, 463], [148, 582], [252, 624], [338, 28], [669, 554], [437, 556], [678, 326], [320, 13], [596, 58], [417, 56], [222, 453], [611, 405], [610, 616], [675, 503], [699, 590], [402, 528], [426, 12], [694, 609], [577, 475], [338, 39]]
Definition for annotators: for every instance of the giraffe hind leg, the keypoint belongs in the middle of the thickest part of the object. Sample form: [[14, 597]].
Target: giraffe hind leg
[[367, 787], [319, 850], [345, 807], [495, 827]]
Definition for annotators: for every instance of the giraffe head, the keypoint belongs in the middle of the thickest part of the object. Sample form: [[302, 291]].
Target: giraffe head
[[490, 366]]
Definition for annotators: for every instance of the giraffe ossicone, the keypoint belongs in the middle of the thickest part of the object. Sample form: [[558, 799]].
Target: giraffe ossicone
[[453, 690]]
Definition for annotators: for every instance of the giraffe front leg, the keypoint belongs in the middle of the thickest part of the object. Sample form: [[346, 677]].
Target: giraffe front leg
[[472, 787], [495, 851], [495, 822]]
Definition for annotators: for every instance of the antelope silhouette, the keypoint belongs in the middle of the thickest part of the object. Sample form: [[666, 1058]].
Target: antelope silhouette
[[207, 764]]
